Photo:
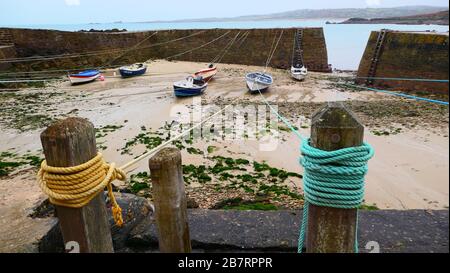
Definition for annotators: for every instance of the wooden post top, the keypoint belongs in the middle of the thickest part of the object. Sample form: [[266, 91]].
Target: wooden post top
[[165, 156], [69, 142], [336, 127]]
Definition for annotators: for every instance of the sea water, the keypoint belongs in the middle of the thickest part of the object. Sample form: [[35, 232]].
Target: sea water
[[345, 43]]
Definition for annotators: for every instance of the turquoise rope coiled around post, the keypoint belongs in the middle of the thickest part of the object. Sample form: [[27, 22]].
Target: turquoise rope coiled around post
[[333, 179]]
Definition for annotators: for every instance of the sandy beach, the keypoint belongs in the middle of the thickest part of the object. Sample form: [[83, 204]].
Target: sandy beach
[[410, 169]]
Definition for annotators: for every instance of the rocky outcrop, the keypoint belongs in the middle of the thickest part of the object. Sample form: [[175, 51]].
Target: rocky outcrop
[[439, 18], [137, 214]]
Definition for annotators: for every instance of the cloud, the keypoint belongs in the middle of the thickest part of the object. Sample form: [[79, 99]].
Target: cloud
[[72, 2], [373, 3]]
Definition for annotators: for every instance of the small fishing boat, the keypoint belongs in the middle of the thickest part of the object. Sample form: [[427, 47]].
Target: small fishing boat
[[190, 87], [84, 76], [299, 73], [258, 82], [137, 69], [208, 73]]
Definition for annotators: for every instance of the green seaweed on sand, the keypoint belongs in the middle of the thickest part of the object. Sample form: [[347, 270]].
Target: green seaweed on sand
[[10, 162], [139, 182], [279, 190], [199, 173]]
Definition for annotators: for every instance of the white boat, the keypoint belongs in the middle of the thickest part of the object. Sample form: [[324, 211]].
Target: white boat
[[299, 73], [258, 82], [84, 76]]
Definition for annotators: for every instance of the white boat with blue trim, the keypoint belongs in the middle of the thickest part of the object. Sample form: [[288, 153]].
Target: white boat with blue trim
[[190, 87], [258, 82], [84, 76], [137, 69]]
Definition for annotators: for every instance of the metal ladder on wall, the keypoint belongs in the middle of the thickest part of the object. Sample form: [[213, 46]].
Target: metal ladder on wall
[[376, 56], [6, 38], [297, 58]]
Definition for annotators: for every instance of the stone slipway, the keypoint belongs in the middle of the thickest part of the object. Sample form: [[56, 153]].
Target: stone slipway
[[413, 231]]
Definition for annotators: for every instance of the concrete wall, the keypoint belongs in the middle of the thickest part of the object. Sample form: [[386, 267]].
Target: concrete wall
[[7, 52], [409, 55], [253, 50]]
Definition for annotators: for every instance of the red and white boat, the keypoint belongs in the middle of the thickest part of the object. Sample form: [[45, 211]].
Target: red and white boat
[[208, 73]]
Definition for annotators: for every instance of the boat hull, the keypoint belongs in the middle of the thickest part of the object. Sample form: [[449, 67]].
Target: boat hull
[[80, 80], [258, 82], [207, 74], [298, 77], [299, 73], [188, 92], [255, 87], [132, 73]]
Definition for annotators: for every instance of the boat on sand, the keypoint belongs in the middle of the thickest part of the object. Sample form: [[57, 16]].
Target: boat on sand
[[84, 76], [190, 87], [258, 82]]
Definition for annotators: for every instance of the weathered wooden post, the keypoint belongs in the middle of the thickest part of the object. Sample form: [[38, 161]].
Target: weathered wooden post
[[333, 230], [170, 201], [67, 143]]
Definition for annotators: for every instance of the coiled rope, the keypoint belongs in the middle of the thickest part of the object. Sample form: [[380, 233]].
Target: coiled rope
[[75, 187], [333, 179]]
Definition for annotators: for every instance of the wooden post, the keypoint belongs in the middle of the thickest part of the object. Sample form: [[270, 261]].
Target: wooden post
[[69, 143], [333, 230], [170, 201]]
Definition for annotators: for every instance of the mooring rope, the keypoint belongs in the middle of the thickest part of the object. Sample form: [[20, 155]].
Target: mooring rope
[[398, 94], [102, 52], [222, 54], [332, 178], [133, 48], [404, 79], [269, 60], [75, 187], [201, 46]]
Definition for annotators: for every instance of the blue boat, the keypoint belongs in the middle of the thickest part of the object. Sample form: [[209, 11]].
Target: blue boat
[[137, 69], [190, 87], [258, 82], [84, 76]]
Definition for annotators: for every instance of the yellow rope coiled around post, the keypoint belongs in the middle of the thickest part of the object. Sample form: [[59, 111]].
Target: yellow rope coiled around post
[[75, 187]]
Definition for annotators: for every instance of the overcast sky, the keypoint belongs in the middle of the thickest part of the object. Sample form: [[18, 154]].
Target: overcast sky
[[18, 12]]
